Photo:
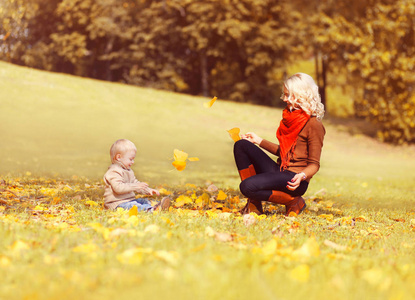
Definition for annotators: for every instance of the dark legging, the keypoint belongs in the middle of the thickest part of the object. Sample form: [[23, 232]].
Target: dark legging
[[268, 175]]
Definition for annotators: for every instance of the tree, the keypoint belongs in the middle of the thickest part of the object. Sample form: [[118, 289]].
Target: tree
[[26, 26]]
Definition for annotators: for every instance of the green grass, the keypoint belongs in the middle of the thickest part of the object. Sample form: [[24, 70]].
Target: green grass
[[63, 126], [56, 131]]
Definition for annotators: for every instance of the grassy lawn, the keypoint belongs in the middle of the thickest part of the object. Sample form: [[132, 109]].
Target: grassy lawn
[[356, 239]]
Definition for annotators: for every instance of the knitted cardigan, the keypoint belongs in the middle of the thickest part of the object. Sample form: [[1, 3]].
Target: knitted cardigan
[[120, 185]]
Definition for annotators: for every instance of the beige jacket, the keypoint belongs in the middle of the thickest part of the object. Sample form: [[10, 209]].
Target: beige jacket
[[120, 185]]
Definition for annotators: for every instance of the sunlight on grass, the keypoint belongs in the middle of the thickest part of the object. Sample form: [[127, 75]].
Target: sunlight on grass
[[354, 240]]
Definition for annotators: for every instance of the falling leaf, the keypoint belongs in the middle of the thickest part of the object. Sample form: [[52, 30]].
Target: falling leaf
[[210, 103], [179, 165], [180, 158], [234, 134], [301, 273], [222, 195]]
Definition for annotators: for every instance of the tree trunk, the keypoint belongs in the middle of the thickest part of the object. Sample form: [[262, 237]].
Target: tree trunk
[[108, 49], [324, 67], [204, 74], [321, 67]]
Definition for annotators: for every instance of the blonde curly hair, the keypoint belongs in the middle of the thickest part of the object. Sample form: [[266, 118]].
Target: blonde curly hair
[[303, 93]]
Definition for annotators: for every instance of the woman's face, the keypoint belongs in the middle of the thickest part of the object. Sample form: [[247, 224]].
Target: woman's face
[[285, 95]]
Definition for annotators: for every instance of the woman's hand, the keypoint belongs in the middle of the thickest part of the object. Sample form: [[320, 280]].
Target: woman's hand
[[294, 183], [252, 137]]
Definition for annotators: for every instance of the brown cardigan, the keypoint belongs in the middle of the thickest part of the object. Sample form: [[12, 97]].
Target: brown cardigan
[[307, 151]]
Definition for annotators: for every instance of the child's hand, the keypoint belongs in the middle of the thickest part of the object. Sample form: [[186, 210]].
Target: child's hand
[[142, 186], [153, 192]]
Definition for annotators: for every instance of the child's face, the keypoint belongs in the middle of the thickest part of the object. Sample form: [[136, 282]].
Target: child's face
[[127, 158]]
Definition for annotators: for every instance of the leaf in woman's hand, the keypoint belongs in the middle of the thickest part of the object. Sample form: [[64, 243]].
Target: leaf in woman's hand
[[234, 134]]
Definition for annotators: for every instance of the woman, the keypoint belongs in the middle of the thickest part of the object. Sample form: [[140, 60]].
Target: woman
[[300, 137]]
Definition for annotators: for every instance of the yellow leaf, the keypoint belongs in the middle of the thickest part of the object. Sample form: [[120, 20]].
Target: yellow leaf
[[202, 200], [86, 248], [328, 217], [300, 273], [91, 203], [39, 208], [269, 248], [163, 191], [180, 155], [132, 220], [234, 134], [4, 261], [168, 256], [309, 249], [19, 246], [179, 165], [198, 248], [193, 159], [182, 200], [153, 228], [222, 195], [133, 211], [209, 231], [131, 256], [210, 103]]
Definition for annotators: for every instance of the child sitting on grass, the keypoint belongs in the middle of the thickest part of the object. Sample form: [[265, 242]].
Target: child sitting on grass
[[121, 184]]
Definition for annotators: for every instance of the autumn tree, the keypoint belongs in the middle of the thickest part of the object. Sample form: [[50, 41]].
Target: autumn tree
[[25, 30]]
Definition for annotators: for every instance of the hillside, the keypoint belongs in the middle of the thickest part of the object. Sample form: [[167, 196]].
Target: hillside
[[61, 125]]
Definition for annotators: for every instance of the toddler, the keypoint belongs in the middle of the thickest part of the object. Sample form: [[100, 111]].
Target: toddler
[[121, 184]]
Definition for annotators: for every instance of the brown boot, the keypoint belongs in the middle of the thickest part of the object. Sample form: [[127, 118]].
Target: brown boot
[[292, 204], [252, 206], [246, 173]]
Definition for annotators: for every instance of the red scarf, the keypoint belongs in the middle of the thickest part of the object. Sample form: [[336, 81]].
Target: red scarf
[[291, 125]]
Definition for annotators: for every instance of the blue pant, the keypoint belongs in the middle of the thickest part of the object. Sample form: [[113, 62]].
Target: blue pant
[[268, 176], [141, 203]]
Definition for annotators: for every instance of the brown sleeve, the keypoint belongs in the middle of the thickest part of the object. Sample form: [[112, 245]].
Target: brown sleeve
[[315, 144], [270, 147]]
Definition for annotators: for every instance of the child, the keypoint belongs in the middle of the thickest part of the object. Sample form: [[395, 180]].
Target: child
[[120, 182]]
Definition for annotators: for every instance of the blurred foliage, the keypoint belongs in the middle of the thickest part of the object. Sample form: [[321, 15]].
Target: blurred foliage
[[235, 49]]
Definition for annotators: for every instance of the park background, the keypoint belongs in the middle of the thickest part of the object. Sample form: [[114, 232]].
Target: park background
[[77, 75]]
